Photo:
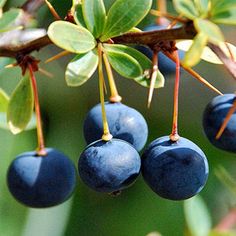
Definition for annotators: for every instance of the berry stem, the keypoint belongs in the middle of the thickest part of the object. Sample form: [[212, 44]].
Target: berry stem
[[153, 77], [226, 120], [194, 74], [174, 134], [41, 147], [106, 133], [115, 97]]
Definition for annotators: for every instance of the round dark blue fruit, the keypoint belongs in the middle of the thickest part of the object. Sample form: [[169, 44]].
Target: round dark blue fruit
[[213, 117], [41, 181], [109, 166], [124, 123], [165, 65], [174, 170]]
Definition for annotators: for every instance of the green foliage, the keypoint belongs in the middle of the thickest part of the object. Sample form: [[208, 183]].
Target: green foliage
[[78, 16], [4, 100], [197, 216], [9, 18], [193, 55], [210, 30], [81, 68], [187, 8], [144, 62], [20, 107], [123, 16], [205, 15], [94, 13], [122, 62], [70, 37], [227, 233], [2, 3]]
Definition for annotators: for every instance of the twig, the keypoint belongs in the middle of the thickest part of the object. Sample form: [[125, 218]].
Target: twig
[[229, 64]]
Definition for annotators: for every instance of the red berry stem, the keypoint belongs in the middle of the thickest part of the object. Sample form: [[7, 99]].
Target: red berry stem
[[106, 133], [41, 147], [174, 134]]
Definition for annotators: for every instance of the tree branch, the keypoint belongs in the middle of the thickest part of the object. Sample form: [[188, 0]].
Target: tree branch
[[187, 31], [27, 48]]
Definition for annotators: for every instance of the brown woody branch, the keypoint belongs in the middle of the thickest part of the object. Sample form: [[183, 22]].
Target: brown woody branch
[[187, 31]]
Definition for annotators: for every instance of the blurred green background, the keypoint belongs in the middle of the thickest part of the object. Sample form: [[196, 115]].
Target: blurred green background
[[137, 211]]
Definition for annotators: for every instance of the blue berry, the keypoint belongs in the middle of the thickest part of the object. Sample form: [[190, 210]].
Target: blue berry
[[124, 123], [165, 65], [109, 166], [41, 181], [213, 117], [174, 170]]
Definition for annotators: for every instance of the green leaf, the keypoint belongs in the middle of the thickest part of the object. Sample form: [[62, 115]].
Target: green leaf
[[20, 107], [78, 16], [124, 15], [2, 3], [94, 13], [70, 37], [123, 63], [202, 6], [81, 68], [193, 55], [186, 8], [223, 5], [211, 30], [4, 125], [4, 99], [207, 54], [144, 62], [197, 216], [9, 18], [227, 17]]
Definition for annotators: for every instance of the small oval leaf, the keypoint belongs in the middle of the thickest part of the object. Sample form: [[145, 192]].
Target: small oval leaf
[[4, 99], [186, 8], [227, 17], [123, 63], [124, 15], [3, 122], [9, 18], [144, 62], [207, 54], [94, 13], [81, 68], [193, 55], [20, 107], [78, 15], [211, 30], [197, 216], [2, 3], [71, 37]]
